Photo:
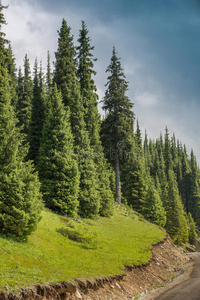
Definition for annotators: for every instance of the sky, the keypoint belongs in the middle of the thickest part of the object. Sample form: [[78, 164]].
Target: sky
[[158, 42]]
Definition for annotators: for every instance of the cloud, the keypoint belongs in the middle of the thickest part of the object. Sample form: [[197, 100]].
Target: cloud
[[33, 31], [158, 42], [147, 100], [30, 30]]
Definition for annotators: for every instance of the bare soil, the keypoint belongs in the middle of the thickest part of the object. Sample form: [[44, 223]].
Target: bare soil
[[168, 266]]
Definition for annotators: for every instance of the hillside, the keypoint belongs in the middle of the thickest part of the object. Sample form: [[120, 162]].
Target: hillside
[[115, 256], [103, 248]]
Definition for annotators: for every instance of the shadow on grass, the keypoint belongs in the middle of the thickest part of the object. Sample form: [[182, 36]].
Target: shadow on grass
[[13, 238], [85, 240]]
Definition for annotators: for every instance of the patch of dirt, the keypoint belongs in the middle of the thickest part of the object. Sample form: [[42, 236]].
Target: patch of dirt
[[167, 263]]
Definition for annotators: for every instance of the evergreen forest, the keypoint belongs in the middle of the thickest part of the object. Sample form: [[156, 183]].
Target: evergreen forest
[[58, 152]]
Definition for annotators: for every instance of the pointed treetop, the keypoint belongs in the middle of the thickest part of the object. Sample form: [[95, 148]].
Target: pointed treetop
[[115, 97], [48, 74]]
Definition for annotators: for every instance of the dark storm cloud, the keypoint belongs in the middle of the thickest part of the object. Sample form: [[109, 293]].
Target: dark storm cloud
[[164, 35], [159, 45]]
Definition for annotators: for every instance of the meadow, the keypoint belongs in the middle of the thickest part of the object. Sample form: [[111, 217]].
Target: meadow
[[64, 249]]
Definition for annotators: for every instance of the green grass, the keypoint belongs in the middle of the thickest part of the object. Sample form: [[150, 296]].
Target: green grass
[[107, 245]]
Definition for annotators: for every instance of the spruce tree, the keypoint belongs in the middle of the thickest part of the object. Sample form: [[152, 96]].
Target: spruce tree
[[153, 209], [65, 78], [37, 114], [147, 154], [192, 230], [134, 184], [163, 179], [117, 127], [194, 197], [138, 140], [174, 151], [167, 152], [186, 182], [133, 175], [20, 90], [3, 40], [176, 224], [11, 67], [48, 75], [105, 188], [20, 199], [156, 163], [24, 94], [57, 165], [89, 99], [88, 89]]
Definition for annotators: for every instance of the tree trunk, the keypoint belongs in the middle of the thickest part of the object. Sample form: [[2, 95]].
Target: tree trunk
[[118, 183]]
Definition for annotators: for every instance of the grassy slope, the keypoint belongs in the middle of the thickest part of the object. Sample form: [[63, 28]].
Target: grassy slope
[[48, 256]]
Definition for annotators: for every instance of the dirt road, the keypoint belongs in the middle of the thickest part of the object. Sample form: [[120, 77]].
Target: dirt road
[[188, 289]]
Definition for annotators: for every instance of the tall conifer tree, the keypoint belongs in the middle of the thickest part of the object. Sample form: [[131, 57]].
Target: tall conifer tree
[[133, 175], [88, 89], [57, 164], [167, 152], [48, 75], [65, 78], [89, 100], [134, 184], [194, 201], [153, 208], [37, 114], [138, 139], [186, 181], [20, 200], [176, 224], [11, 67], [24, 94], [192, 230], [117, 127]]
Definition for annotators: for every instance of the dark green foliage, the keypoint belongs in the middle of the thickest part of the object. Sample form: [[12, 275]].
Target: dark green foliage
[[89, 198], [92, 118], [192, 230], [176, 221], [194, 196], [186, 184], [65, 78], [153, 209], [20, 199], [147, 154], [105, 188], [138, 140], [37, 114], [117, 127], [88, 89], [48, 75], [194, 206], [65, 70], [160, 158], [133, 184], [57, 165], [3, 41], [11, 67], [25, 94], [20, 90], [167, 152]]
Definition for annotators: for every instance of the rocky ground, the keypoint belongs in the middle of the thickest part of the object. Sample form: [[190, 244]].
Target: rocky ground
[[167, 263]]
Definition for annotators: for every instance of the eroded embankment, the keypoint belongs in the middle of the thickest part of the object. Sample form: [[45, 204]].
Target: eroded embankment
[[167, 262]]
